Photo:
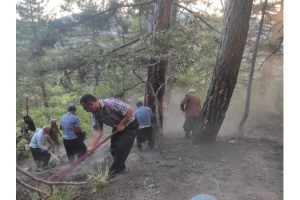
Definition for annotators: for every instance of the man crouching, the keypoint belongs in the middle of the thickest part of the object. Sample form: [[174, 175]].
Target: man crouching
[[40, 153]]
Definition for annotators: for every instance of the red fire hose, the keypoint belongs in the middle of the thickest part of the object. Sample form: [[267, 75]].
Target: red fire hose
[[71, 166]]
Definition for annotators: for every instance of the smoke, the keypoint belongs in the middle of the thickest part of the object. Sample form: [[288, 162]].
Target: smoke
[[266, 102], [266, 105], [173, 116], [266, 108]]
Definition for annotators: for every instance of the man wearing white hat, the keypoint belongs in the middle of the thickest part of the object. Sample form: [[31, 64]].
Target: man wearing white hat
[[190, 104]]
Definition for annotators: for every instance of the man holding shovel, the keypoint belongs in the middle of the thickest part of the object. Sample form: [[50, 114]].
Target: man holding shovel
[[118, 115], [40, 153]]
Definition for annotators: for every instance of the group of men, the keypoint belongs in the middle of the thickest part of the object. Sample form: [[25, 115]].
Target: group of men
[[72, 139], [120, 116]]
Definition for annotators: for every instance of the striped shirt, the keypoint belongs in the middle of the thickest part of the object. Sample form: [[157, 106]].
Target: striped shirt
[[112, 112]]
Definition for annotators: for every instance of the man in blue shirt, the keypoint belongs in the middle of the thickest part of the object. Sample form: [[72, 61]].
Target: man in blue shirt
[[72, 133], [40, 153], [144, 116]]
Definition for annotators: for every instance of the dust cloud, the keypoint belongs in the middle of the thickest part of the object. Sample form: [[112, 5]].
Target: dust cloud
[[266, 106], [173, 116]]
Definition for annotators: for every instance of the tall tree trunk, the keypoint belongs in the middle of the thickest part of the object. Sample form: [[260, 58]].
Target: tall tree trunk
[[123, 83], [44, 93], [157, 71], [26, 105], [226, 69], [168, 88], [247, 104], [156, 77]]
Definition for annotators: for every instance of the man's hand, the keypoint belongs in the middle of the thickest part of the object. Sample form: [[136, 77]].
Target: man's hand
[[91, 150], [48, 151], [96, 137], [120, 128]]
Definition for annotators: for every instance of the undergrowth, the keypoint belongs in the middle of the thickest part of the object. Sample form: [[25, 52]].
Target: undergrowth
[[101, 176]]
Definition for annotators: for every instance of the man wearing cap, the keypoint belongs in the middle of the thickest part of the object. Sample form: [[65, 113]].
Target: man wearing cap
[[144, 116], [190, 104], [118, 115], [70, 125]]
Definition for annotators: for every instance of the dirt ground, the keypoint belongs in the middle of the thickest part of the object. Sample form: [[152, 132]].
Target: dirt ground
[[248, 168]]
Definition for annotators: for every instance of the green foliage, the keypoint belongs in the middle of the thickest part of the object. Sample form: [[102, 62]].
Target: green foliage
[[64, 192], [22, 141], [101, 176], [30, 10], [23, 149], [74, 56], [42, 116], [84, 64]]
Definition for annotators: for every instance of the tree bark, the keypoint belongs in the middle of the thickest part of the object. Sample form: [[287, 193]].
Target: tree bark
[[226, 69], [156, 73], [43, 88], [156, 77], [44, 93]]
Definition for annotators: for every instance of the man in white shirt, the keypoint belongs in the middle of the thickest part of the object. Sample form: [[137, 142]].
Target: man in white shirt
[[40, 153]]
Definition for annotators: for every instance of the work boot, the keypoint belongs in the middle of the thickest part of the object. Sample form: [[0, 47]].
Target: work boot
[[114, 174]]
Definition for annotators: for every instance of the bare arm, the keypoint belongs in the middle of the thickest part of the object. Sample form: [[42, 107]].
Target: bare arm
[[59, 132], [78, 130], [124, 120], [97, 134]]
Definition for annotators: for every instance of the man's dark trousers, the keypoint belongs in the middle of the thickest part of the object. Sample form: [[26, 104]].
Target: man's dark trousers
[[120, 146]]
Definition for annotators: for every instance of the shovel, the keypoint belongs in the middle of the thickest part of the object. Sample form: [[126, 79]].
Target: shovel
[[54, 156]]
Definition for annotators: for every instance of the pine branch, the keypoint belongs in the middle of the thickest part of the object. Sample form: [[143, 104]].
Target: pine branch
[[112, 8], [130, 43], [278, 47], [196, 15]]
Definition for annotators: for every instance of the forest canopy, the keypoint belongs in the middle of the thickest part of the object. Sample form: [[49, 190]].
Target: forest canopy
[[108, 48]]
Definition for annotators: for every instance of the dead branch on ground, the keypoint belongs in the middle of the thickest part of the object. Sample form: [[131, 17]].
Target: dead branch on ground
[[50, 184]]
